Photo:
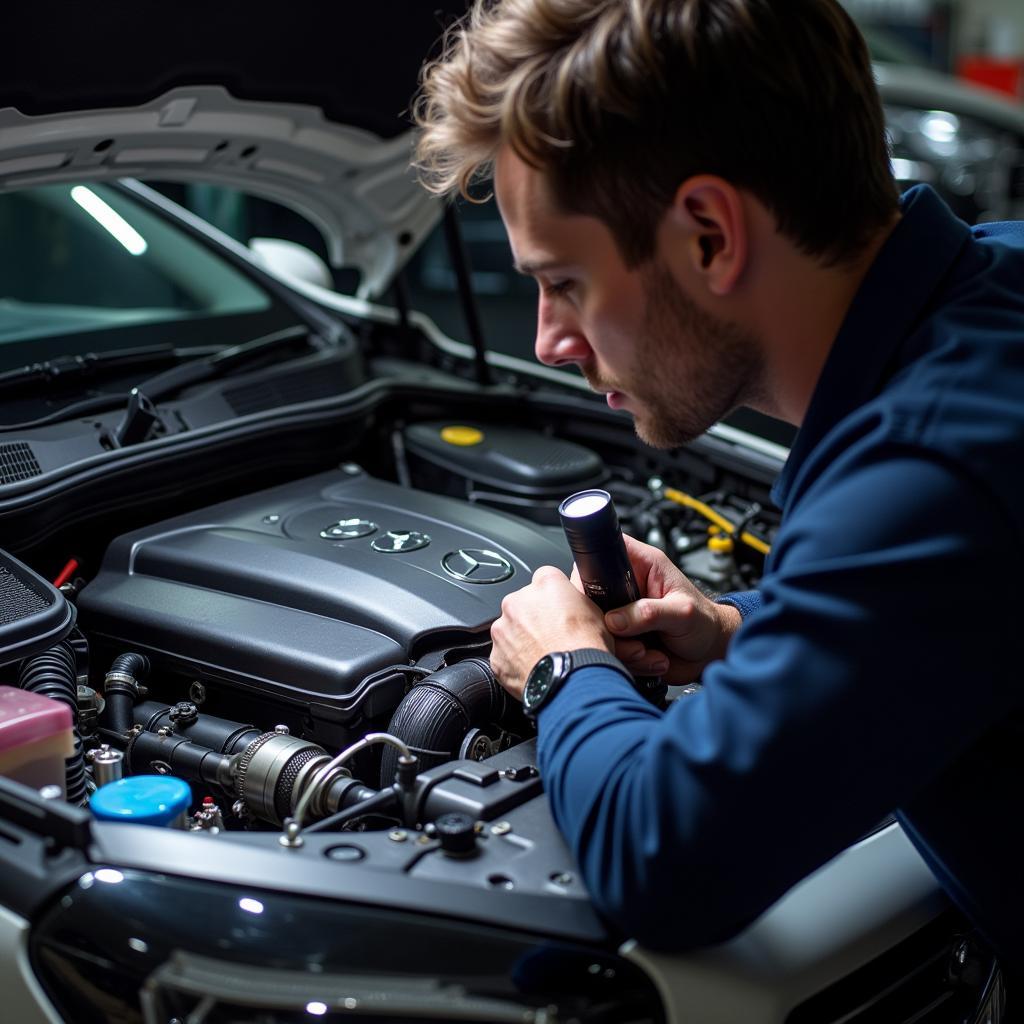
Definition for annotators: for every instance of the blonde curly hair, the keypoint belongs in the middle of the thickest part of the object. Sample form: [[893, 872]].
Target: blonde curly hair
[[619, 101]]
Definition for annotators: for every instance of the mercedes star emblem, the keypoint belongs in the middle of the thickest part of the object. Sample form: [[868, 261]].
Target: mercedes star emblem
[[477, 565]]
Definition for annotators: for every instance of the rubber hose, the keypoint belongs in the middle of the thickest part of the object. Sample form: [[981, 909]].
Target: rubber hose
[[435, 715], [121, 696], [54, 674]]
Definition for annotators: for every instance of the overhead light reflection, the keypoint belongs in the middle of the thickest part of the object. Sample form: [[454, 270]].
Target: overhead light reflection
[[940, 126], [106, 216], [109, 875], [252, 906], [317, 1009]]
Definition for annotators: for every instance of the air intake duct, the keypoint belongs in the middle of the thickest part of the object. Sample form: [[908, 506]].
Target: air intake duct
[[437, 713]]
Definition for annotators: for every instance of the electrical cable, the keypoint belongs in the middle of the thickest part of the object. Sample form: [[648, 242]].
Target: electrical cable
[[66, 573], [328, 771]]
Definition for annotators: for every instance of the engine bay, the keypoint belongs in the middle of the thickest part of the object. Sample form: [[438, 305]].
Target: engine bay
[[315, 654]]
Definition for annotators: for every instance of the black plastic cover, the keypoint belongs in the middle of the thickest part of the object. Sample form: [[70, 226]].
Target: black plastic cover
[[252, 593], [34, 615], [510, 458]]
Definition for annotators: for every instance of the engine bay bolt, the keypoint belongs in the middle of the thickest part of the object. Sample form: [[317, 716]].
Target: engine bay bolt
[[501, 828], [290, 837], [164, 731], [655, 485], [271, 519], [282, 730], [398, 835], [562, 878]]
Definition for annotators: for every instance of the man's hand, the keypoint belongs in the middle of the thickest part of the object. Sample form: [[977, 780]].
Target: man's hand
[[549, 614], [691, 628]]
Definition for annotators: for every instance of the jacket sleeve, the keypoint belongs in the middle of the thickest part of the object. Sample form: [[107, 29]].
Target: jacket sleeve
[[839, 698], [746, 602]]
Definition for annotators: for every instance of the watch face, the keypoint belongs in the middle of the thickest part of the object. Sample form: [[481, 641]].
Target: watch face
[[538, 681]]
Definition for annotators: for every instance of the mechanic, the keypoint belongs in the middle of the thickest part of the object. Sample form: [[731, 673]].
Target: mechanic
[[702, 190]]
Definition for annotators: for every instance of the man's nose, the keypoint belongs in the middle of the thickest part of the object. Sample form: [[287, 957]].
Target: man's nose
[[560, 340]]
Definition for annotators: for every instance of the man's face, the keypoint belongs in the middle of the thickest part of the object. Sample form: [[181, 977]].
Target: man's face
[[635, 335]]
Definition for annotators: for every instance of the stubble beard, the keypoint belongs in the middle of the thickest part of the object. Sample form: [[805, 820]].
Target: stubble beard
[[690, 368]]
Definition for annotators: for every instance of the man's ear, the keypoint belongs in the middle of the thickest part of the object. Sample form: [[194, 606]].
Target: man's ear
[[710, 221]]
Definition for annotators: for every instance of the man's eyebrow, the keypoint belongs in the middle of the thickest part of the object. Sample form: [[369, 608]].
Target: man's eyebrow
[[532, 268]]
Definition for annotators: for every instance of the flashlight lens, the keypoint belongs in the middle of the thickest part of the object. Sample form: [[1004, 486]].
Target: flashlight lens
[[585, 504]]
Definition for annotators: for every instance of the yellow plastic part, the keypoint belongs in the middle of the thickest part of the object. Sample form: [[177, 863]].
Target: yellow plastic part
[[720, 543], [681, 498], [464, 437]]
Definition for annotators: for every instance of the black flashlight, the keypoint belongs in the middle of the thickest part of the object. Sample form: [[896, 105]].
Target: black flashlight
[[592, 529]]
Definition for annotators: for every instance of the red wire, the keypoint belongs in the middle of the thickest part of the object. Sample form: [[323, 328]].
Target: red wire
[[66, 573]]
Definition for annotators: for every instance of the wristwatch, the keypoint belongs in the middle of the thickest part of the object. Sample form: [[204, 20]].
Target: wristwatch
[[548, 675]]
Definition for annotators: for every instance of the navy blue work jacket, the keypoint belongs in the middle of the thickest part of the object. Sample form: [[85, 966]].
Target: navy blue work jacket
[[881, 666]]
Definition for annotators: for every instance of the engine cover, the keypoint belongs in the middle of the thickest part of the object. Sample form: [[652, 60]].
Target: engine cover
[[304, 591]]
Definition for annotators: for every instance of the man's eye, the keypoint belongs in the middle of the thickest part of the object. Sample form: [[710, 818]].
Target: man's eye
[[558, 288]]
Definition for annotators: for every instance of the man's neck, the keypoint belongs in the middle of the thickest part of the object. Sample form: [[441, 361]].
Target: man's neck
[[799, 307]]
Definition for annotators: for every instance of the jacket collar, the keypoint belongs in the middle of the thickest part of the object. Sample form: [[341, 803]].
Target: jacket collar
[[891, 301]]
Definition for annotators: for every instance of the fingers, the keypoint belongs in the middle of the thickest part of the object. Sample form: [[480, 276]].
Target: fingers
[[643, 556], [656, 574], [639, 659], [669, 615], [642, 661], [548, 573]]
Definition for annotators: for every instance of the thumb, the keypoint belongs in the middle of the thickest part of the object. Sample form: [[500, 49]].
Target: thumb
[[671, 614]]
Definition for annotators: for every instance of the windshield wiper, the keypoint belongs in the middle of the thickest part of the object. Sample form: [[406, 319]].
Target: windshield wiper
[[192, 371], [198, 371], [88, 364]]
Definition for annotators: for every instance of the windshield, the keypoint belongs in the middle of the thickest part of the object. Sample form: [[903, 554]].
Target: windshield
[[89, 265]]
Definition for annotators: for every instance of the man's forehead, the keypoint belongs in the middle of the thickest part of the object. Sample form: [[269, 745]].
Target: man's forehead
[[539, 233], [521, 190]]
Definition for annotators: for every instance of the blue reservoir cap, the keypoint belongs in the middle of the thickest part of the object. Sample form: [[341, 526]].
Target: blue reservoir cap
[[144, 799]]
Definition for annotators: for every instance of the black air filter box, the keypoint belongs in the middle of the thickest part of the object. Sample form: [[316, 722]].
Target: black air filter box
[[33, 615], [511, 468]]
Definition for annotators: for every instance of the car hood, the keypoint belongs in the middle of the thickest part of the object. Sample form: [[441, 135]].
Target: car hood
[[290, 110]]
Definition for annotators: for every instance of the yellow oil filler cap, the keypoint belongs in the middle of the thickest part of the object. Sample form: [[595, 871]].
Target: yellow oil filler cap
[[720, 544], [464, 437]]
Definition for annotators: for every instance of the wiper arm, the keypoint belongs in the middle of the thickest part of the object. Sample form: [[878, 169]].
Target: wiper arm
[[142, 419], [88, 364], [196, 371], [192, 371]]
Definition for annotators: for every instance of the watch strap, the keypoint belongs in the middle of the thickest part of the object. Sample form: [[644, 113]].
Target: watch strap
[[587, 656]]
